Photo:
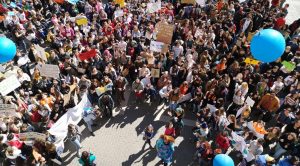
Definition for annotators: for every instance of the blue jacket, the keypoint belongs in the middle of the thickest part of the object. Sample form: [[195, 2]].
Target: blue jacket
[[285, 162]]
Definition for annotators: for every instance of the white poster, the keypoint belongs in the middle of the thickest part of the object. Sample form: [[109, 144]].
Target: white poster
[[201, 2], [119, 13], [9, 84], [153, 7], [241, 1], [250, 102], [156, 46], [72, 116], [40, 52]]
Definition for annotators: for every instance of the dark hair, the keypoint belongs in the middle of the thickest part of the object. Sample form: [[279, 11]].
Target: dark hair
[[85, 158]]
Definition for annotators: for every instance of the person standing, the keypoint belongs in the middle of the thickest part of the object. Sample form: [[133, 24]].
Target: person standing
[[148, 135], [74, 136], [87, 159], [165, 149], [138, 88], [89, 116]]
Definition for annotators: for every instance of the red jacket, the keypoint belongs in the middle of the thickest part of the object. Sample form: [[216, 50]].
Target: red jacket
[[170, 131], [222, 142]]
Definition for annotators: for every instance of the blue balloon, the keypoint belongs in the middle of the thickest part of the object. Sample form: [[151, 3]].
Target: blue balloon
[[223, 160], [8, 49], [267, 45]]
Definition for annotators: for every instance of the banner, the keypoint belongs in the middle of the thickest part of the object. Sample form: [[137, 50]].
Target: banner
[[32, 136], [9, 84], [165, 33], [48, 70], [72, 116], [81, 20], [87, 55], [153, 7], [156, 46]]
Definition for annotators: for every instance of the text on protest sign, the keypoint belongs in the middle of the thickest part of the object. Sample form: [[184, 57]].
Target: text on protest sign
[[50, 71], [153, 7], [32, 136], [156, 46], [40, 52], [9, 84], [7, 110], [155, 73], [165, 33]]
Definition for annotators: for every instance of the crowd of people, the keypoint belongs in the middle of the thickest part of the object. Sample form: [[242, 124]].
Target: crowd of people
[[205, 64]]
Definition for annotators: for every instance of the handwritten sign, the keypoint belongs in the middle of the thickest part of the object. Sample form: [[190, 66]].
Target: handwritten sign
[[201, 2], [288, 65], [40, 52], [32, 136], [188, 1], [8, 110], [155, 73], [251, 61], [153, 7], [67, 97], [165, 33], [81, 20], [9, 84], [48, 70], [156, 46]]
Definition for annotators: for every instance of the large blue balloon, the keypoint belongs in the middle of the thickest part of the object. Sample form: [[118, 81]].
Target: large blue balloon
[[267, 45], [8, 49], [223, 160]]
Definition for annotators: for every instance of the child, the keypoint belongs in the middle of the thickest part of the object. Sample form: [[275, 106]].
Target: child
[[148, 135]]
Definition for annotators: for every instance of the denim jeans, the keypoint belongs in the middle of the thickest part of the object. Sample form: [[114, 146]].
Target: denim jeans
[[278, 151], [77, 144]]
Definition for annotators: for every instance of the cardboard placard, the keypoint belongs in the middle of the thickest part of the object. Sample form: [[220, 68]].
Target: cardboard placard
[[8, 110], [40, 52], [48, 70], [32, 136], [9, 84], [188, 1], [67, 97], [155, 73], [165, 33], [81, 20], [87, 55]]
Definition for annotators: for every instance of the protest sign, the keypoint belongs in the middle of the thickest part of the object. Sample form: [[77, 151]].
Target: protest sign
[[185, 98], [153, 7], [251, 61], [87, 55], [59, 1], [155, 73], [27, 136], [250, 102], [288, 65], [73, 1], [40, 52], [81, 20], [120, 2], [156, 46], [165, 33], [119, 13], [48, 70], [188, 1], [201, 2], [8, 110], [67, 96], [9, 84]]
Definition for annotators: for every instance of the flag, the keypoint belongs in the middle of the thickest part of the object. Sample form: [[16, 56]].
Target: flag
[[87, 55]]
